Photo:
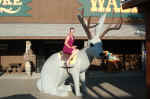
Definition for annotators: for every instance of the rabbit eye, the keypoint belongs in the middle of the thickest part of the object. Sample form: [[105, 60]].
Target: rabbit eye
[[91, 44]]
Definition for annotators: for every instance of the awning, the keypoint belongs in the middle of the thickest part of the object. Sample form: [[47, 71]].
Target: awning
[[59, 31], [127, 32]]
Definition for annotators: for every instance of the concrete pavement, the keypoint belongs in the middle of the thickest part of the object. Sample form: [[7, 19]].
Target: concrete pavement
[[125, 85]]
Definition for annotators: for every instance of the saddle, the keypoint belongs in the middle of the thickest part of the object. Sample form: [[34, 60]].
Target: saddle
[[64, 57]]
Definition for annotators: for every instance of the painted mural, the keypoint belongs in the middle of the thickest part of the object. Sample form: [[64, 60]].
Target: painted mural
[[14, 7]]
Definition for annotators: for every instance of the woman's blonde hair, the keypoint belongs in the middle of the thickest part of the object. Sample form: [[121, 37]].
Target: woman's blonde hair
[[71, 28]]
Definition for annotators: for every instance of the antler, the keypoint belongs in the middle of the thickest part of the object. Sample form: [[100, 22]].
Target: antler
[[116, 27], [85, 27], [85, 24]]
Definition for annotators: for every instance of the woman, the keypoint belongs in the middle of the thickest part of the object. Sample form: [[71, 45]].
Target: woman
[[69, 48]]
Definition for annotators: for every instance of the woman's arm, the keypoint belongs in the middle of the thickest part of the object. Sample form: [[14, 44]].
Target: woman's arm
[[66, 42]]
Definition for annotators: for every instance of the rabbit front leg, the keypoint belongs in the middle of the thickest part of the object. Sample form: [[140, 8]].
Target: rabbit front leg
[[83, 84], [75, 75]]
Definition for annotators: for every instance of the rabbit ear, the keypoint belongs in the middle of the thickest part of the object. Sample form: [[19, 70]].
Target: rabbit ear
[[100, 26]]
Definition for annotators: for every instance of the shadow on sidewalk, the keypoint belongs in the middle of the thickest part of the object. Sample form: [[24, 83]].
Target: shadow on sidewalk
[[22, 96], [116, 87]]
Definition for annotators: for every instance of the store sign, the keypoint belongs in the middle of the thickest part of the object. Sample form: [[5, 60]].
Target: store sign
[[14, 7], [97, 8]]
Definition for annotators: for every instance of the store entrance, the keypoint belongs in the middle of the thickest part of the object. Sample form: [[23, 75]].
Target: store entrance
[[12, 52]]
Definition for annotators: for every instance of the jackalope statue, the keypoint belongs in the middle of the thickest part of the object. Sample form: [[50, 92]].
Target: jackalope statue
[[53, 76]]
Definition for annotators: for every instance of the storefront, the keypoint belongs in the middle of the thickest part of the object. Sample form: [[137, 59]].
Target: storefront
[[46, 23], [144, 6]]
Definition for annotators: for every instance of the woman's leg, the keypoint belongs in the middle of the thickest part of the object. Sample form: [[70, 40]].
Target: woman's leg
[[74, 52]]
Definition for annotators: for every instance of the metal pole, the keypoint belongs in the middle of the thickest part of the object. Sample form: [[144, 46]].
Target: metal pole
[[143, 57], [147, 24]]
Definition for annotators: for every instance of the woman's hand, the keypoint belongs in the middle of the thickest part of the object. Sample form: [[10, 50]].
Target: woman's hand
[[74, 47]]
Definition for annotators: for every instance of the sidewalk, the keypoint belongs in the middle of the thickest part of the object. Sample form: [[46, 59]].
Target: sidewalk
[[93, 74], [19, 76], [89, 74], [125, 85]]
